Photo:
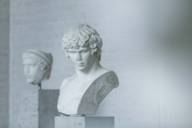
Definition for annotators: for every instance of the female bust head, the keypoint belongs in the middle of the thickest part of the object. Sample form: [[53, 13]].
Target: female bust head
[[37, 66]]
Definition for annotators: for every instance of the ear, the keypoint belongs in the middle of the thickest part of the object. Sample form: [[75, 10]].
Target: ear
[[93, 51], [43, 67]]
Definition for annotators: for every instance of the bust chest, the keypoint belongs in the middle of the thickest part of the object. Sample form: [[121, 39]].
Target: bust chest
[[71, 94], [74, 88], [84, 96]]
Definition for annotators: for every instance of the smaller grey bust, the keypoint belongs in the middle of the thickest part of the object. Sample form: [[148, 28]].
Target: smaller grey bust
[[37, 66]]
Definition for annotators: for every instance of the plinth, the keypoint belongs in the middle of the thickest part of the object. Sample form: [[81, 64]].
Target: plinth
[[84, 122]]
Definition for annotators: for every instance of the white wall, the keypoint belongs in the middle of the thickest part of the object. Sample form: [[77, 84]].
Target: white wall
[[146, 42]]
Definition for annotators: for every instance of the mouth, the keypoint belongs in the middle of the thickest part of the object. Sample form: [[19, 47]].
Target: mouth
[[80, 64], [29, 78]]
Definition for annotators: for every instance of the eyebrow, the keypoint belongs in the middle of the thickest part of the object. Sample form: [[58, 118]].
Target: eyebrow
[[78, 50]]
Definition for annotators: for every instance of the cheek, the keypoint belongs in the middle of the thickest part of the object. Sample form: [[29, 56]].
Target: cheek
[[38, 75], [87, 55], [71, 57], [35, 71], [87, 58]]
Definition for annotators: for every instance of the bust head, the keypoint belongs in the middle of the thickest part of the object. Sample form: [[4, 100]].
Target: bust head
[[83, 46], [37, 66]]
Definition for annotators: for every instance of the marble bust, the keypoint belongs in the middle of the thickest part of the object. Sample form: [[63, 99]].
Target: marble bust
[[81, 93], [37, 66]]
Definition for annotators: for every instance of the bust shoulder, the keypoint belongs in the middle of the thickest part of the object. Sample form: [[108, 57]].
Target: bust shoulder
[[107, 78], [97, 91], [111, 78]]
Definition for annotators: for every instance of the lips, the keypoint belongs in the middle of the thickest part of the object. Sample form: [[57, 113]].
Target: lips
[[80, 63], [29, 76]]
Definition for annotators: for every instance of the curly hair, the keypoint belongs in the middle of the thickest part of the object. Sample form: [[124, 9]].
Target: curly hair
[[83, 36]]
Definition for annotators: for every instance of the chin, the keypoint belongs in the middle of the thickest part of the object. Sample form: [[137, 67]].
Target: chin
[[32, 82], [81, 68]]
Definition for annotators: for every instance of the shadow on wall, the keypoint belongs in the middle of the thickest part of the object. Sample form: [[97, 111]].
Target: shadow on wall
[[172, 33], [172, 36]]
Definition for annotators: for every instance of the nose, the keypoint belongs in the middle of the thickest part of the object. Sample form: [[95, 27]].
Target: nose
[[26, 70], [78, 56]]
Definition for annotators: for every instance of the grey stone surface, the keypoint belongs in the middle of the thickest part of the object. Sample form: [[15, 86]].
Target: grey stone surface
[[47, 107], [4, 63], [84, 122]]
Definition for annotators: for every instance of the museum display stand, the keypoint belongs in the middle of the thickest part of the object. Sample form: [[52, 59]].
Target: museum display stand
[[84, 122]]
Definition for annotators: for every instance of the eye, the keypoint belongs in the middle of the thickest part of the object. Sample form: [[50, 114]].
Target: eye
[[71, 52], [32, 65], [85, 51]]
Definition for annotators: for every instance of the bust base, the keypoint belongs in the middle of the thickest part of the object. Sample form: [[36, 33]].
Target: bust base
[[84, 122]]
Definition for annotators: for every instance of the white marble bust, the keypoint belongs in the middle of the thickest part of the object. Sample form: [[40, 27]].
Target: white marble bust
[[81, 93], [37, 66]]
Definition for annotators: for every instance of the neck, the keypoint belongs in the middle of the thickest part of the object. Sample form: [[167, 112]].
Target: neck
[[39, 86]]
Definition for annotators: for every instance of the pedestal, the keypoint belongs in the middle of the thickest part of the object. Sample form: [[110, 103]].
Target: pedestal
[[84, 122]]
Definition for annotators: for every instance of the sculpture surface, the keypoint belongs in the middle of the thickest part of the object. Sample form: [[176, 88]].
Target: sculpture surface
[[37, 66], [82, 93]]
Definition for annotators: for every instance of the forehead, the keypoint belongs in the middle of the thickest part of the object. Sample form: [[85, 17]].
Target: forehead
[[30, 60], [80, 49]]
